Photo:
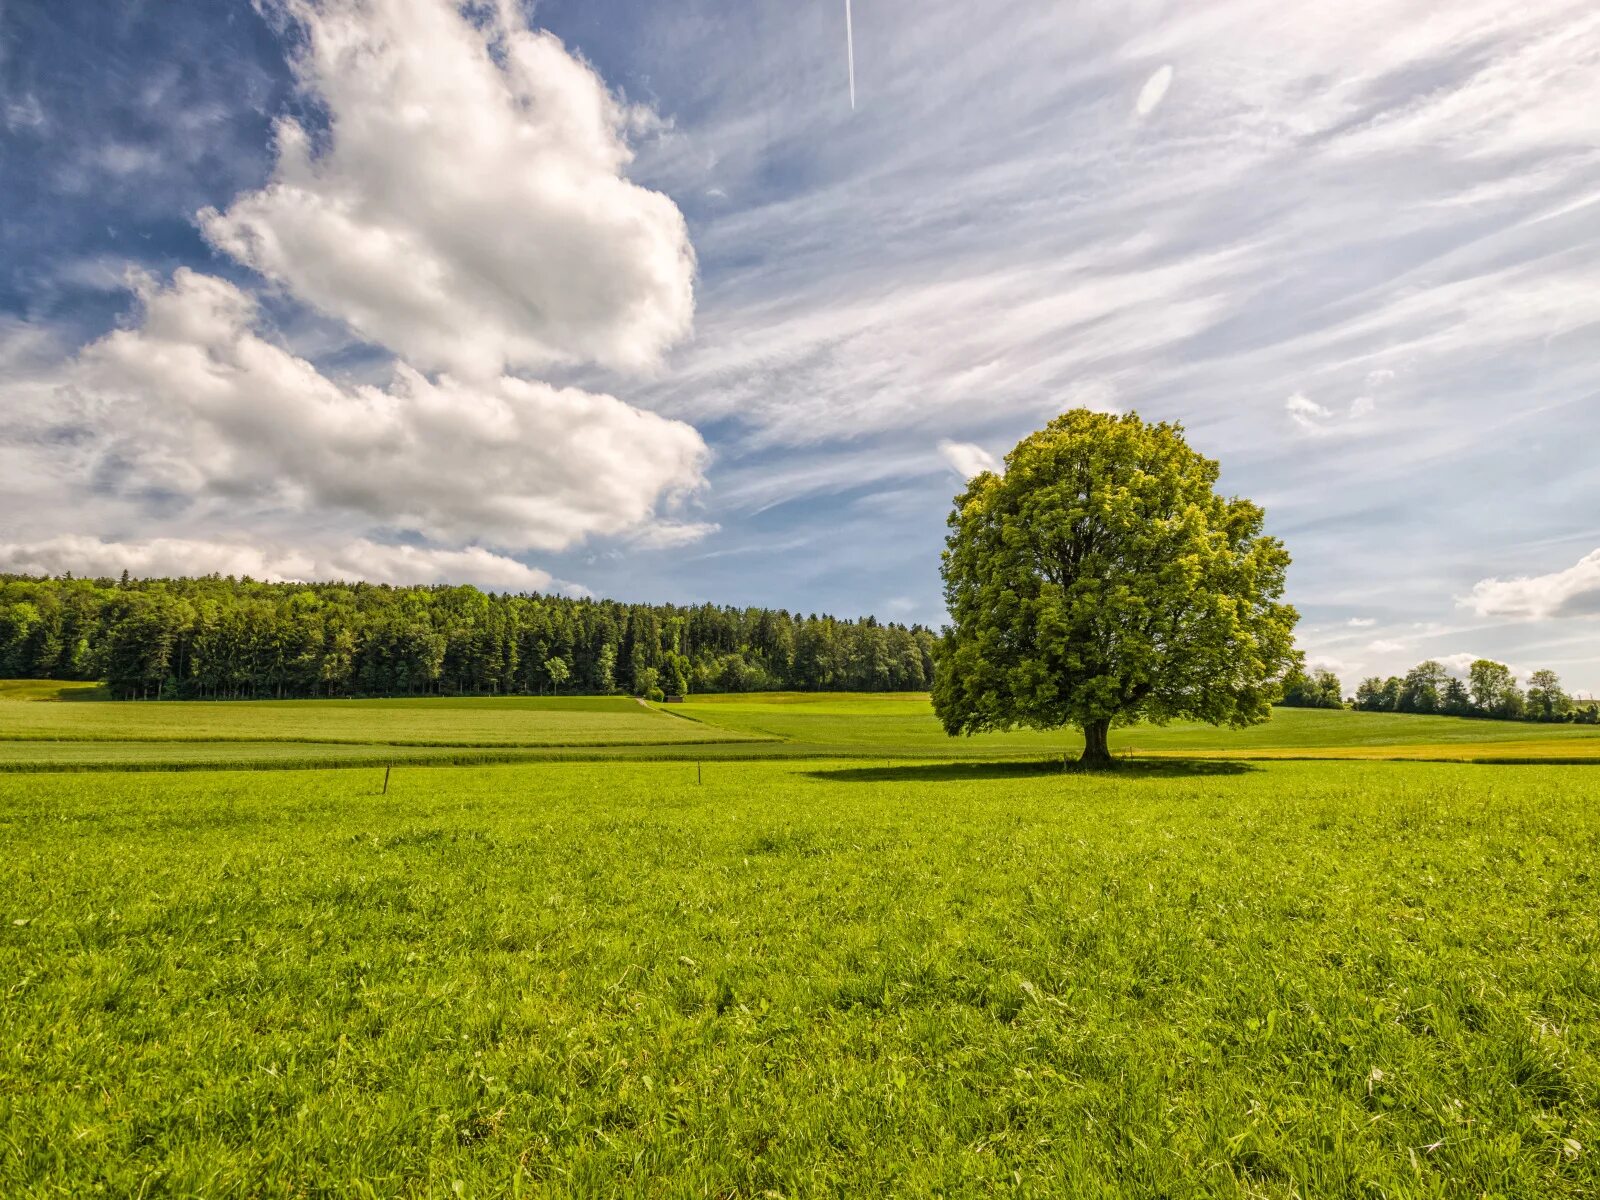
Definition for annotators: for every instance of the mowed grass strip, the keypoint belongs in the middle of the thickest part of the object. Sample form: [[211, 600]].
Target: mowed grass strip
[[434, 721], [29, 756], [52, 689], [825, 978]]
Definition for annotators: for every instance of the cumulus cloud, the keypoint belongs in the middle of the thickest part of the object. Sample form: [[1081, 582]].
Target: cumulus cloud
[[1154, 90], [1460, 664], [1361, 622], [194, 402], [360, 560], [469, 208], [968, 459], [1569, 593]]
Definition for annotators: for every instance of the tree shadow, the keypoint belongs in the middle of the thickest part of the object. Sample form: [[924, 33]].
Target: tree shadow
[[972, 772]]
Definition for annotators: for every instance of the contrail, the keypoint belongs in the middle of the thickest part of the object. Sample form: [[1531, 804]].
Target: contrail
[[850, 53]]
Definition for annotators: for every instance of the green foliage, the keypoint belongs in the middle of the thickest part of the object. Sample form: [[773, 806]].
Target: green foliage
[[1490, 691], [1103, 580], [1547, 699], [817, 979], [239, 639], [605, 670], [1321, 690], [1456, 701], [1424, 688], [676, 670], [1493, 688]]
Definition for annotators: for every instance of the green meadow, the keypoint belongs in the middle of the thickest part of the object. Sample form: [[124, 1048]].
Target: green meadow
[[789, 946], [55, 726]]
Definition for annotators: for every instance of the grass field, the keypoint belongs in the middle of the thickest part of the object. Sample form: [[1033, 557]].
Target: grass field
[[479, 721], [838, 955], [803, 978], [305, 733], [904, 724]]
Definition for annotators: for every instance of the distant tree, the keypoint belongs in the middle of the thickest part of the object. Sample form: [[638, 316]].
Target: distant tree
[[1103, 579], [1329, 690], [1369, 695], [1424, 686], [605, 670], [1547, 701], [1319, 690], [1490, 684], [558, 672], [1456, 701], [677, 669]]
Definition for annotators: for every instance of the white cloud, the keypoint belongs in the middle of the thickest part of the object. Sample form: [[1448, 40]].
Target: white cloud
[[1316, 661], [968, 459], [1387, 646], [1569, 593], [1307, 414], [356, 561], [1313, 418], [24, 113], [669, 535], [1361, 622], [1460, 664], [194, 402], [469, 210], [1154, 90]]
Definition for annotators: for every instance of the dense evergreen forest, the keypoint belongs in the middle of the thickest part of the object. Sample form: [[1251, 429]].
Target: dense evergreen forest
[[225, 638]]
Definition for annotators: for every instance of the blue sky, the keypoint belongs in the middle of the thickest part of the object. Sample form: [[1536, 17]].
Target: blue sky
[[626, 297]]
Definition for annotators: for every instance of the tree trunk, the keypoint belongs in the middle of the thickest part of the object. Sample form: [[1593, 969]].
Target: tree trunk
[[1096, 746]]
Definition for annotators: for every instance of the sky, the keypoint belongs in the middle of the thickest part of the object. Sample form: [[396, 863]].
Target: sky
[[626, 299]]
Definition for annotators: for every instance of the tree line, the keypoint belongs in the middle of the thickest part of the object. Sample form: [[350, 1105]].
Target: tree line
[[225, 638], [1489, 690]]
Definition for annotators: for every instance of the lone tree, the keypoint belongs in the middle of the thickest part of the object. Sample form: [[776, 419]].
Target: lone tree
[[1102, 580]]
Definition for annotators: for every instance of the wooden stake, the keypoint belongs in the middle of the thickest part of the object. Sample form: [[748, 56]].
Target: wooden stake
[[697, 778], [386, 771]]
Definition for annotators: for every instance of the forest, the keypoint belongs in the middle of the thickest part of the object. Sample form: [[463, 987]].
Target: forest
[[227, 638]]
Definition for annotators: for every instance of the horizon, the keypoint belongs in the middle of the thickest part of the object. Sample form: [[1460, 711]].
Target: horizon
[[704, 333]]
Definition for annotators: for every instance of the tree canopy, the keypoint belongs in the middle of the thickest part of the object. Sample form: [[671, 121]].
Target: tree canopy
[[1321, 689], [1103, 579], [1490, 690], [238, 638]]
